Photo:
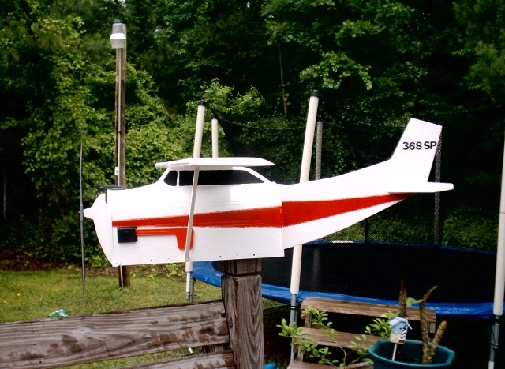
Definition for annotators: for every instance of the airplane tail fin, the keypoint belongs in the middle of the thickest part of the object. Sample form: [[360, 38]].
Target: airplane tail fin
[[335, 203], [413, 158]]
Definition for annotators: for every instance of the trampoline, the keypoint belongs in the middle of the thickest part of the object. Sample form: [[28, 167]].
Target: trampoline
[[371, 272]]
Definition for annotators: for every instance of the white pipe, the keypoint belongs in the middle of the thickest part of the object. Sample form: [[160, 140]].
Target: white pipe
[[296, 267], [214, 127], [304, 177], [499, 285], [200, 115], [294, 285], [191, 214], [500, 253], [188, 266], [309, 137]]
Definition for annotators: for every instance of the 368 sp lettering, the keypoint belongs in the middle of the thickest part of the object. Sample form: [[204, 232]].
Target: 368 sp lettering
[[419, 145]]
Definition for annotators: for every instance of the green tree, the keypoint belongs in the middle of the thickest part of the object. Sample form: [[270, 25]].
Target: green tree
[[372, 62], [185, 45], [483, 23], [63, 84]]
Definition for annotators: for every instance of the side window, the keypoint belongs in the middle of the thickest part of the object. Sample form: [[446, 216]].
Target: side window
[[186, 178], [226, 177], [212, 178]]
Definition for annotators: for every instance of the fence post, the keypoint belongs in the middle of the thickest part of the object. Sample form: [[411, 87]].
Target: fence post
[[241, 288]]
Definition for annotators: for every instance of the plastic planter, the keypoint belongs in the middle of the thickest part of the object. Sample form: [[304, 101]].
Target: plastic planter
[[382, 352]]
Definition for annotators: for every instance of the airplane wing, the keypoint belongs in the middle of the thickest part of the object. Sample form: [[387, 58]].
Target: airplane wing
[[190, 164]]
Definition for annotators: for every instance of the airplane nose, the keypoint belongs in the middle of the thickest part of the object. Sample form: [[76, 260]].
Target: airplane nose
[[88, 213], [100, 215], [95, 209]]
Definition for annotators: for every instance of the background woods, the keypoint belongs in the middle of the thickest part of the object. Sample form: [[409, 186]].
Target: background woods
[[255, 63]]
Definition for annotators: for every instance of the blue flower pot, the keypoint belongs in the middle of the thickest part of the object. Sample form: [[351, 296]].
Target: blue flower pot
[[382, 352]]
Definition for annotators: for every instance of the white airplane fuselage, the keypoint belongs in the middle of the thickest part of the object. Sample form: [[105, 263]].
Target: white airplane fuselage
[[238, 214]]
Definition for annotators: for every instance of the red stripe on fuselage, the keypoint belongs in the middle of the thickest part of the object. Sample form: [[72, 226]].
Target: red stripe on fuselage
[[247, 218], [292, 213], [297, 212]]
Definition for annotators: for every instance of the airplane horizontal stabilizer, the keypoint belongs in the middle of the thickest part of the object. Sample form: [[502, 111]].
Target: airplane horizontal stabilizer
[[426, 187]]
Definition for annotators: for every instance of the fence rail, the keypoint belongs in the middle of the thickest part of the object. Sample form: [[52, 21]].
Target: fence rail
[[72, 340]]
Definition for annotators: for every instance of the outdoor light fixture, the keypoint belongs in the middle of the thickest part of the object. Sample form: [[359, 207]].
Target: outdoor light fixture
[[118, 35]]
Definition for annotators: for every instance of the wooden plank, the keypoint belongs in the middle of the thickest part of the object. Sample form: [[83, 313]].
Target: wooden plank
[[339, 339], [344, 339], [78, 339], [244, 315], [362, 308], [239, 267], [223, 360]]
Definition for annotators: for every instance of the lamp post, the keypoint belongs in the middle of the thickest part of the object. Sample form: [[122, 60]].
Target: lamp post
[[118, 42]]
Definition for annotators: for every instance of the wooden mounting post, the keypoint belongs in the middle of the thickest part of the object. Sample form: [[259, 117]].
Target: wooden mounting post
[[241, 288]]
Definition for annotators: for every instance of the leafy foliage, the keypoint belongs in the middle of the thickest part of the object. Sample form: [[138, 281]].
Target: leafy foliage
[[484, 43], [321, 354], [69, 109], [375, 64]]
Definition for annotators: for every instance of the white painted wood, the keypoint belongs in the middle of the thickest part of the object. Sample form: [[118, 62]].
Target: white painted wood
[[261, 219], [213, 163]]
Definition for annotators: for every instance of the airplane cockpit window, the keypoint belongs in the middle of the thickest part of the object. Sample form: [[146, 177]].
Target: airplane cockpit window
[[212, 178], [171, 178]]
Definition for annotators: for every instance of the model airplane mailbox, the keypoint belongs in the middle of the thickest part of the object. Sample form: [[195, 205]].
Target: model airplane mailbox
[[232, 212]]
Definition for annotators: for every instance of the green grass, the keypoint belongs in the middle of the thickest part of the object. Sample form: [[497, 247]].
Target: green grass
[[34, 295], [28, 295]]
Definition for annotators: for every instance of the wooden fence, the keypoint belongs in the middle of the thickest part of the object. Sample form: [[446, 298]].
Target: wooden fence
[[230, 331], [53, 342]]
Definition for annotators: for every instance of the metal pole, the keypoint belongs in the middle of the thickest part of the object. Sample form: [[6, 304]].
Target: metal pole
[[438, 155], [120, 125], [495, 338], [81, 222], [120, 55]]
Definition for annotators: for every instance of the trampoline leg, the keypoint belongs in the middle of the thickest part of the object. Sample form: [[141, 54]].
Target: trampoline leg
[[293, 318], [190, 286], [495, 336]]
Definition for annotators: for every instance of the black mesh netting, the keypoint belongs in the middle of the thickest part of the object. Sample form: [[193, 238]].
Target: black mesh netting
[[277, 140], [281, 141]]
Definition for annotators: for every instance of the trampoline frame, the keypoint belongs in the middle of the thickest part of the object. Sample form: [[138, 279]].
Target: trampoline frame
[[206, 272]]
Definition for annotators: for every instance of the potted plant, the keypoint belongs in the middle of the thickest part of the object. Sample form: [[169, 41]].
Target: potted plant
[[390, 354], [356, 358]]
